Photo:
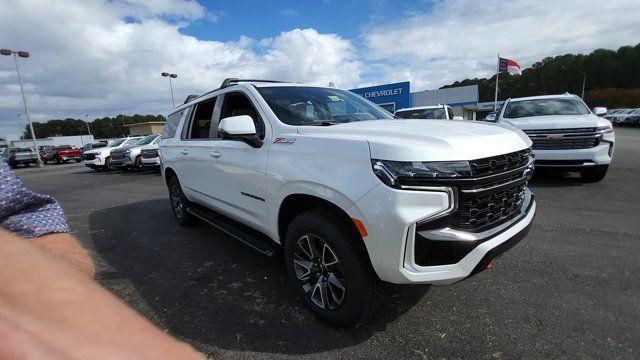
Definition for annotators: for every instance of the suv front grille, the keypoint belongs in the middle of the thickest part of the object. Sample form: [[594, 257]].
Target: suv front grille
[[563, 139], [149, 154], [493, 194], [117, 155], [89, 156]]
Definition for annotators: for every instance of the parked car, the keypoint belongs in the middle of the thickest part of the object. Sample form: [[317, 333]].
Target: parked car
[[62, 154], [94, 145], [566, 135], [630, 117], [150, 158], [352, 196], [20, 156], [128, 157], [100, 158], [428, 112]]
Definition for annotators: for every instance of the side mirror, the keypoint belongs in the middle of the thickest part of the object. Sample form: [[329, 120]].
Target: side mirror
[[240, 128], [458, 118], [600, 111], [491, 117]]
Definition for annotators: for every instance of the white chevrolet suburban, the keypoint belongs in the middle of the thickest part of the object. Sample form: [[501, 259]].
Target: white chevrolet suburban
[[100, 158], [352, 196], [566, 135], [444, 112]]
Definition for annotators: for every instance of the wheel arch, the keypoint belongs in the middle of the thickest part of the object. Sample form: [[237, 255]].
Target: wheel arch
[[168, 174], [297, 203]]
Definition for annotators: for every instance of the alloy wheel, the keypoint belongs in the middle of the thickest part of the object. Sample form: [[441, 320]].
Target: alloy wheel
[[319, 272], [176, 201]]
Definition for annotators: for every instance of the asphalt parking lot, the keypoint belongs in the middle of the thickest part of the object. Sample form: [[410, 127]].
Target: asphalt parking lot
[[570, 289]]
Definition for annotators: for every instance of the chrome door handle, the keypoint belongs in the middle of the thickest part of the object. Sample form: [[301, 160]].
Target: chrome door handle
[[216, 154], [184, 152]]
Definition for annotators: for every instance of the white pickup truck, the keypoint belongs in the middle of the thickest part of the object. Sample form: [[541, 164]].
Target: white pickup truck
[[351, 196], [566, 135]]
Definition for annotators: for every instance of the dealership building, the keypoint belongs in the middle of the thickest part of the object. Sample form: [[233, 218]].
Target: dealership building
[[396, 96]]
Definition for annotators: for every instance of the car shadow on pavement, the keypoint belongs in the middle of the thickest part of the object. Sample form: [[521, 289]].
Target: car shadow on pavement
[[554, 178], [212, 291]]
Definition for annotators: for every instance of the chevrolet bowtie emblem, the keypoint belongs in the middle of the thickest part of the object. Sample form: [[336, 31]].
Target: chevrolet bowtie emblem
[[554, 136]]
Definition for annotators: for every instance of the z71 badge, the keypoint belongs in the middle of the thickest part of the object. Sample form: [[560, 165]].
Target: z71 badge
[[285, 141]]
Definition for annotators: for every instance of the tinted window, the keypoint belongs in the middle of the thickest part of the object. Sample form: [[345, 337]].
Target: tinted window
[[298, 105], [545, 107], [131, 141], [201, 119], [436, 113], [171, 125], [236, 104], [146, 140]]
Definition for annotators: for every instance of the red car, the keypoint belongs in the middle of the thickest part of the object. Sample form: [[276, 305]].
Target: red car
[[62, 154]]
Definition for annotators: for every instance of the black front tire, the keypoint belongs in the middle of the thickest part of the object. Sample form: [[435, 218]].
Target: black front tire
[[138, 163], [594, 174], [107, 164], [363, 289], [179, 203]]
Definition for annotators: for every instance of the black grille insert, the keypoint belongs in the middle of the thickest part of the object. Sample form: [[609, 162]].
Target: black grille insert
[[562, 139], [149, 154], [89, 156]]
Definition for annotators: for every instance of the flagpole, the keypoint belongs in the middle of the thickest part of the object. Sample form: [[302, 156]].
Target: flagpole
[[495, 102]]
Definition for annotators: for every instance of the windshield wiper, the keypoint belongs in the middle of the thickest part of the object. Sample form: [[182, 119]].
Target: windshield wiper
[[322, 123]]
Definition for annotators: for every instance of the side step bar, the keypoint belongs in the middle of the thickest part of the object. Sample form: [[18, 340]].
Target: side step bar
[[250, 237]]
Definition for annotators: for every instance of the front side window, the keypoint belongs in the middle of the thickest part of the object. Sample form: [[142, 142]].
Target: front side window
[[236, 104], [435, 113], [544, 107], [298, 105]]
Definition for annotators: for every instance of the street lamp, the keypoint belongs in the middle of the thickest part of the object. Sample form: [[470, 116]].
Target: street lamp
[[170, 76], [584, 81], [24, 54]]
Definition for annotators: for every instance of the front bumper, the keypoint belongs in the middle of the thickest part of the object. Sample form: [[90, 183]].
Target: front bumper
[[123, 162], [151, 162], [97, 162], [577, 158], [391, 217]]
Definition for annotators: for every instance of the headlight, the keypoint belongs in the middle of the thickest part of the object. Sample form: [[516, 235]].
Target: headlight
[[393, 172], [605, 129]]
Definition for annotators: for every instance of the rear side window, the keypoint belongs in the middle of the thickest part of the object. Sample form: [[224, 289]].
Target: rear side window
[[171, 125], [201, 119]]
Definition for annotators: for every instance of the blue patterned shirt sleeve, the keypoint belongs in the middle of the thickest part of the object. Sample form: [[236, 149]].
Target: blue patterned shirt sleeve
[[26, 213]]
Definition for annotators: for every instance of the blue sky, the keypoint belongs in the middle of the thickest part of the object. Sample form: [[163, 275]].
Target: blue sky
[[104, 57], [262, 19]]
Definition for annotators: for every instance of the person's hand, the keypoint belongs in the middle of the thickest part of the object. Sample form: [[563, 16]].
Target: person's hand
[[50, 309]]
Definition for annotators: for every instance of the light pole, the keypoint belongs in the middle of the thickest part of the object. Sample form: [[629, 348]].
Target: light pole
[[170, 76], [24, 54], [584, 80]]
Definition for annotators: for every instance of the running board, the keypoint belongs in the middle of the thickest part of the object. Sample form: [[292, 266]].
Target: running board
[[253, 239]]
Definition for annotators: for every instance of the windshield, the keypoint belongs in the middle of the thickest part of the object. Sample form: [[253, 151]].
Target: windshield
[[437, 113], [545, 107], [115, 143], [146, 140], [297, 105]]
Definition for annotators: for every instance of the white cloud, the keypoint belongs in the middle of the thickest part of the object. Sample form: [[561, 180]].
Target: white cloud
[[457, 39], [289, 12], [104, 58]]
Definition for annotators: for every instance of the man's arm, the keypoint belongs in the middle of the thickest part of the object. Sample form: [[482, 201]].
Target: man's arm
[[47, 306], [66, 246]]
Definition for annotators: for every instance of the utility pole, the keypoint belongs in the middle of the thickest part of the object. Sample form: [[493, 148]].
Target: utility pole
[[171, 76], [584, 81], [24, 54], [495, 101]]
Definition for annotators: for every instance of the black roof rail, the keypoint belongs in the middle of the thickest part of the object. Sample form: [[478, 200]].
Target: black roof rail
[[231, 81], [189, 98]]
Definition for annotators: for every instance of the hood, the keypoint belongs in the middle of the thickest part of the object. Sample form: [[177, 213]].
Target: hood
[[149, 147], [102, 150], [553, 122], [427, 140]]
